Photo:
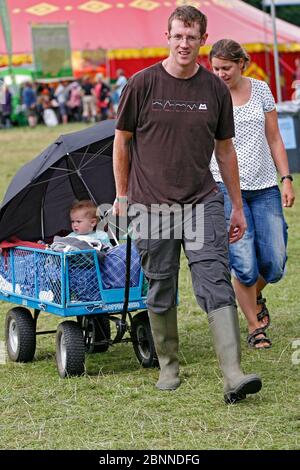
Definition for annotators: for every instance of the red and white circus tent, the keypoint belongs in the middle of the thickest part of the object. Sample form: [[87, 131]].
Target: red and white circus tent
[[132, 32]]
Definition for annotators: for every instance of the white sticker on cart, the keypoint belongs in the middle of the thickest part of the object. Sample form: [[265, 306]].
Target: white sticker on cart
[[134, 305], [119, 307]]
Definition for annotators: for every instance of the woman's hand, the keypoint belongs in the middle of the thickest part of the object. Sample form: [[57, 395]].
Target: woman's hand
[[287, 193], [238, 225]]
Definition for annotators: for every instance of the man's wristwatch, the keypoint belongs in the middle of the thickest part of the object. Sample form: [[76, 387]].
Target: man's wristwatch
[[286, 177]]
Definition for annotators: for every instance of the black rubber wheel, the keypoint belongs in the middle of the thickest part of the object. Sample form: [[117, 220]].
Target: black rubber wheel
[[20, 335], [96, 331], [142, 340], [70, 350]]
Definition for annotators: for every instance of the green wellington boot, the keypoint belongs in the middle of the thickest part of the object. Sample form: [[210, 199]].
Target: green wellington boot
[[225, 330], [165, 337]]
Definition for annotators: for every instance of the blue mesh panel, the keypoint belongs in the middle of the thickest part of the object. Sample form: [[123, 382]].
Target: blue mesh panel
[[32, 267], [24, 272], [49, 277], [83, 279], [5, 273]]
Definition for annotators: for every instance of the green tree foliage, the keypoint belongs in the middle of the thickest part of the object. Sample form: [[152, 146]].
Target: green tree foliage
[[287, 13]]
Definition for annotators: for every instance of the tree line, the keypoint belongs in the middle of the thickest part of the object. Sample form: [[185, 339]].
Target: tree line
[[287, 13]]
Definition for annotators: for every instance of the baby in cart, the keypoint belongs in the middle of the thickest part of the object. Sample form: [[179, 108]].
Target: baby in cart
[[40, 271], [85, 235]]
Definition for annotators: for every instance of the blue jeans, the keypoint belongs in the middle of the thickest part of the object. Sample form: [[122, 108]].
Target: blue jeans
[[262, 250]]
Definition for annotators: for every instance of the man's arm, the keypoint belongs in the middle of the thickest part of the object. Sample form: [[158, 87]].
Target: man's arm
[[227, 161], [121, 169]]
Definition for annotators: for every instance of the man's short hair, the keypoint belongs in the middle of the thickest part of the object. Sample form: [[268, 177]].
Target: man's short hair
[[189, 15]]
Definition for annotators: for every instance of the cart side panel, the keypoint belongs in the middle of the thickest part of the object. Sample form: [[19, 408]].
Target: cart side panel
[[72, 283], [32, 274]]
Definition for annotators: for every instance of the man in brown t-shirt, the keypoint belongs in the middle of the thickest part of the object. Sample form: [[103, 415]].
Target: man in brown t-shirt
[[170, 117]]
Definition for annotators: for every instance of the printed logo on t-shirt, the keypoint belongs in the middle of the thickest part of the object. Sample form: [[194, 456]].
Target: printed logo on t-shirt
[[179, 106]]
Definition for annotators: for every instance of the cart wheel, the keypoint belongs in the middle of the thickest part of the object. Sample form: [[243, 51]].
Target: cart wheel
[[70, 349], [20, 335], [143, 341], [96, 330]]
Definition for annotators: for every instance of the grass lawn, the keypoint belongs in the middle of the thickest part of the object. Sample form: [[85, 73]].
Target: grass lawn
[[116, 406]]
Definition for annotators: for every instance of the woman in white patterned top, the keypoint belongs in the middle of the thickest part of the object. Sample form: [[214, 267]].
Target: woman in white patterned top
[[259, 257]]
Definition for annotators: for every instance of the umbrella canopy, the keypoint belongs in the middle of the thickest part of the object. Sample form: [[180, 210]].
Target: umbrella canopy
[[76, 166]]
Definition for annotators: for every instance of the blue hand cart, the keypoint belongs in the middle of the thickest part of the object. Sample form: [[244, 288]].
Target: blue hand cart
[[75, 284]]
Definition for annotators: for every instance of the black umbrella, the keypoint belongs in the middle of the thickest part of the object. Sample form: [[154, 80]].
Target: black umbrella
[[76, 166]]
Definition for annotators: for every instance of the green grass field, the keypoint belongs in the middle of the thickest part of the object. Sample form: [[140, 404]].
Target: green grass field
[[116, 406]]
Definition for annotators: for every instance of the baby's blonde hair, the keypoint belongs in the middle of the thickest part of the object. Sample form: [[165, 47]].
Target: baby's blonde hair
[[86, 205]]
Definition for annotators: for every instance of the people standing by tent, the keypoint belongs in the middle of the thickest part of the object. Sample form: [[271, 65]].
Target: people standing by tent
[[168, 119], [296, 83], [29, 100], [88, 100], [6, 107], [60, 95], [259, 257], [117, 88], [74, 102], [102, 93], [297, 69]]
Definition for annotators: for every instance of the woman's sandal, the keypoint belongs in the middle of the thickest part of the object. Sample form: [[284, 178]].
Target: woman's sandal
[[264, 313], [253, 340]]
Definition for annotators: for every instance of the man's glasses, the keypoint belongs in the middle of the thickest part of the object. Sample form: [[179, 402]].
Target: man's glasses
[[189, 39]]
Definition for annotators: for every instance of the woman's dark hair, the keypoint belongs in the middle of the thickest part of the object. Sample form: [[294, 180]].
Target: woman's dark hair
[[188, 15], [228, 49]]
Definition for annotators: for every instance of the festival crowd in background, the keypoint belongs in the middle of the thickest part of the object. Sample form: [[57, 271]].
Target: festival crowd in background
[[90, 99]]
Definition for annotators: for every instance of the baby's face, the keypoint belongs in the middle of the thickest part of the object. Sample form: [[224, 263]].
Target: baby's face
[[81, 223]]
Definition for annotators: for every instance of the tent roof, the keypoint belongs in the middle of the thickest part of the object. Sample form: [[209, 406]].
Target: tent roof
[[114, 24]]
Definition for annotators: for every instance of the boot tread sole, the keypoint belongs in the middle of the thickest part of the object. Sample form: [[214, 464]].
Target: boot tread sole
[[252, 385], [168, 386]]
